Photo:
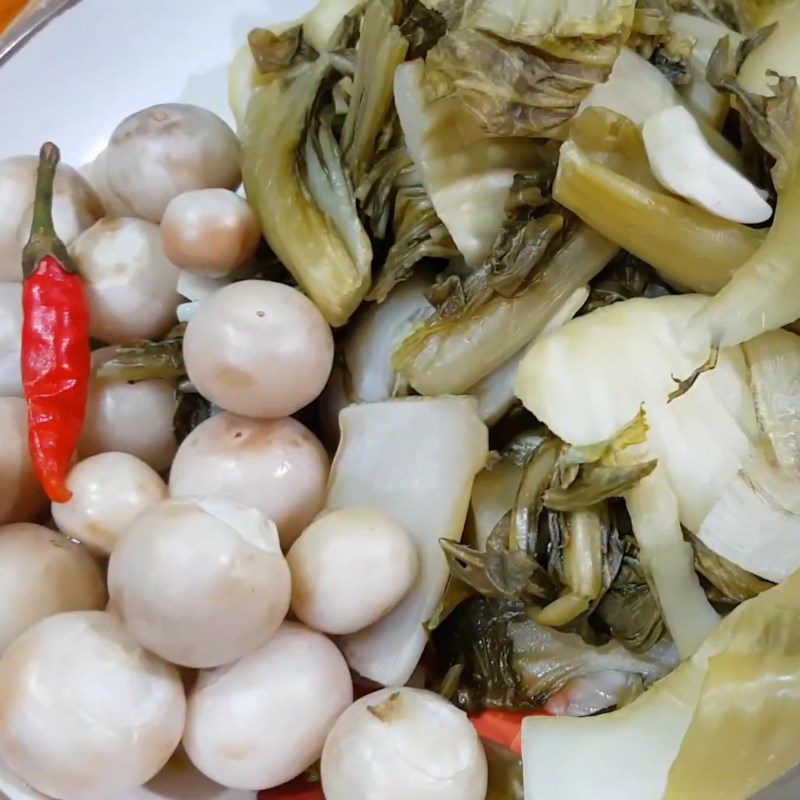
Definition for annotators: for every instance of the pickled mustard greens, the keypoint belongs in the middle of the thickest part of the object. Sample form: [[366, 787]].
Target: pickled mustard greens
[[451, 354], [303, 194], [563, 209]]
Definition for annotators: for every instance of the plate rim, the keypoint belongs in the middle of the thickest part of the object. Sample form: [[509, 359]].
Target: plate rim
[[28, 23]]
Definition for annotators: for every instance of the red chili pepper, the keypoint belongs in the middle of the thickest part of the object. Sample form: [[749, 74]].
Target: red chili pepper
[[55, 341], [504, 727]]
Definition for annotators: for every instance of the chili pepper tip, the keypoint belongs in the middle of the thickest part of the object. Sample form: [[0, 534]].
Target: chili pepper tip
[[56, 491]]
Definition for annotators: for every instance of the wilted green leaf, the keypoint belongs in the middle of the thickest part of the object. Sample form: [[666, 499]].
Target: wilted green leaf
[[585, 556], [774, 120], [273, 52], [381, 47], [589, 475], [543, 23], [631, 610], [596, 483], [511, 662], [191, 409], [456, 592], [419, 234], [626, 277], [147, 361], [513, 90], [500, 570], [733, 584], [538, 475]]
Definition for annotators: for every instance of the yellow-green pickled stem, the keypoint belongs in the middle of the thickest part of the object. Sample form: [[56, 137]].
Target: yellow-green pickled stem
[[692, 248], [449, 356]]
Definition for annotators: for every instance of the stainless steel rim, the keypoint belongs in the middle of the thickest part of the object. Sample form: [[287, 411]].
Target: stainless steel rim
[[28, 23]]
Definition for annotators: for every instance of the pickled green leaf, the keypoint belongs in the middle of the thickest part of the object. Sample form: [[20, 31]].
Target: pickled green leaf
[[512, 89], [381, 48], [296, 180], [630, 610], [500, 570], [273, 52], [733, 584], [511, 662], [147, 361]]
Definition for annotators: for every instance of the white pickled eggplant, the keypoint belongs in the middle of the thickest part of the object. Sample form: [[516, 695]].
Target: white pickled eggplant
[[685, 163], [719, 726], [365, 373], [466, 172], [703, 99], [296, 180], [495, 393], [773, 362], [669, 562], [196, 288], [756, 522], [414, 459]]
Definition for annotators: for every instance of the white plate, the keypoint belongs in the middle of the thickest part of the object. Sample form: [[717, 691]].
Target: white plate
[[101, 60]]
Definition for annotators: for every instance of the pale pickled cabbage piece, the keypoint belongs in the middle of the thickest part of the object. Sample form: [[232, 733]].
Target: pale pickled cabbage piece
[[493, 495], [669, 562], [414, 459], [495, 393], [703, 99], [756, 522], [721, 727], [774, 363], [466, 172]]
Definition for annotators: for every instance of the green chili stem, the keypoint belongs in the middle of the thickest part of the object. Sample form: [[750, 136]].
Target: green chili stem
[[43, 240]]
